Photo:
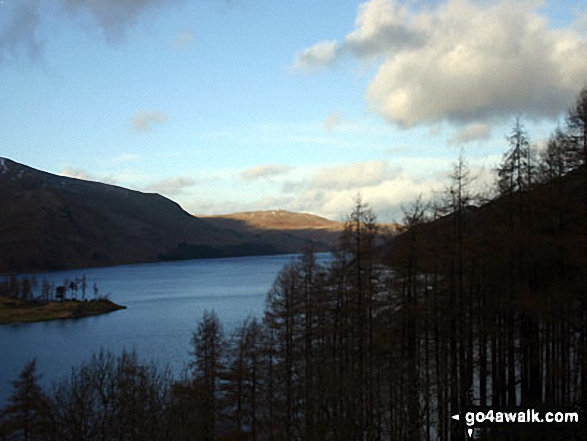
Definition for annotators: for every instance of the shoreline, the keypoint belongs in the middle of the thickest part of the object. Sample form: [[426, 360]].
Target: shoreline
[[16, 311]]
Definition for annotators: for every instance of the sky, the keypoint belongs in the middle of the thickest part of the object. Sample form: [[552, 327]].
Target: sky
[[241, 105]]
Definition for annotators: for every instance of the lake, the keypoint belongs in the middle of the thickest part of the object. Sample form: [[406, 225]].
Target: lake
[[164, 302]]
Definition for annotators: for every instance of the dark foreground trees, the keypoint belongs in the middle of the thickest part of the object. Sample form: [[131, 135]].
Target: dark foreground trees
[[28, 415], [106, 398]]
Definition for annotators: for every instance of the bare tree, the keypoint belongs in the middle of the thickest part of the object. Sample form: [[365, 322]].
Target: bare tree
[[208, 350]]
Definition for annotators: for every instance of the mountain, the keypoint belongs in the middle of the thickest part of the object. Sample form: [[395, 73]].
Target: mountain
[[50, 222], [290, 230]]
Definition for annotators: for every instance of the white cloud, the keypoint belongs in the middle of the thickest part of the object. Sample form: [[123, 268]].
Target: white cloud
[[470, 133], [114, 17], [124, 157], [580, 23], [330, 191], [383, 27], [172, 186], [20, 31], [386, 197], [264, 171], [352, 176], [466, 61], [184, 39], [143, 121], [79, 173], [333, 121], [319, 55], [76, 173]]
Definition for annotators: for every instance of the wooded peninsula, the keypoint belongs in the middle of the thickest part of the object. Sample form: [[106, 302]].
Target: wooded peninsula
[[20, 304]]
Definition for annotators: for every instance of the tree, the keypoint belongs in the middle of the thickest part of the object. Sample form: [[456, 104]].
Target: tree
[[356, 258], [84, 286], [114, 397], [208, 344], [46, 290], [60, 293], [283, 320], [14, 286], [553, 159], [28, 415], [27, 289], [73, 287], [516, 172], [577, 130], [244, 378], [567, 148]]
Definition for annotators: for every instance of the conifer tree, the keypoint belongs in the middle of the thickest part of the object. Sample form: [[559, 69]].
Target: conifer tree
[[516, 172], [209, 346], [577, 130], [28, 414]]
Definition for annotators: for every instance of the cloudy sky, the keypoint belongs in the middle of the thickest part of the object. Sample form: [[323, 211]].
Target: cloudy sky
[[234, 105]]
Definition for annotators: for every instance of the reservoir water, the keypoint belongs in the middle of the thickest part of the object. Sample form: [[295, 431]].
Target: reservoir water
[[164, 302]]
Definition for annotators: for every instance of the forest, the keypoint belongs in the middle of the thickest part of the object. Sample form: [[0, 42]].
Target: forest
[[478, 304]]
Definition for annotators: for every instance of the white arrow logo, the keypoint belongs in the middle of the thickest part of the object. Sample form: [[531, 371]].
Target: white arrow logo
[[458, 417]]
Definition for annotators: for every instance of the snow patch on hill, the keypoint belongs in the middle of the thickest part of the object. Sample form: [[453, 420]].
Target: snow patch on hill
[[3, 166]]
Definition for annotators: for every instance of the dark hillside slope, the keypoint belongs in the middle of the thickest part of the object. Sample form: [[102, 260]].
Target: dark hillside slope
[[55, 222], [547, 224]]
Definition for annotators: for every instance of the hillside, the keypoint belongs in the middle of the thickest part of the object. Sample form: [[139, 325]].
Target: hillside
[[290, 230], [52, 222], [279, 220], [547, 220]]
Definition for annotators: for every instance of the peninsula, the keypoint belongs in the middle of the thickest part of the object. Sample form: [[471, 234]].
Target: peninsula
[[13, 310]]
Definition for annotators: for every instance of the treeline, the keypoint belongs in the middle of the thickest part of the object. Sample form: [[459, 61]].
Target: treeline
[[29, 289], [471, 306]]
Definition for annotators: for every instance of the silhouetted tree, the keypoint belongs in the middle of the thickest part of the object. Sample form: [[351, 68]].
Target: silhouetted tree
[[112, 398], [28, 414], [516, 173], [208, 349], [577, 130], [73, 286], [84, 286]]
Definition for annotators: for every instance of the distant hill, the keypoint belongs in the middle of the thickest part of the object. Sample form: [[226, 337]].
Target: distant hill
[[290, 230], [52, 222], [281, 220]]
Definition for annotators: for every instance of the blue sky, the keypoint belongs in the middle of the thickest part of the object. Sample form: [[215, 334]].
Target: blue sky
[[237, 105]]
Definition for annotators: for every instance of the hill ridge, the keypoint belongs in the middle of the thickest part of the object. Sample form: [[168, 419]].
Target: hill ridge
[[51, 222]]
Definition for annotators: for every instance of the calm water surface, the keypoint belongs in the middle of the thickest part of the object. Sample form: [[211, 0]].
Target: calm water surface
[[164, 300]]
